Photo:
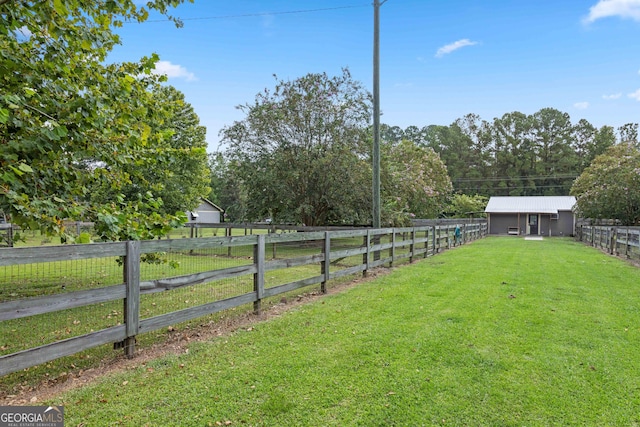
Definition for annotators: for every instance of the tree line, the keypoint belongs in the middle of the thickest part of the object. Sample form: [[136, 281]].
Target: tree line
[[540, 154]]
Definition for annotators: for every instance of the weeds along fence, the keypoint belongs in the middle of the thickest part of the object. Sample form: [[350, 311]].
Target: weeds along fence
[[617, 240], [57, 301]]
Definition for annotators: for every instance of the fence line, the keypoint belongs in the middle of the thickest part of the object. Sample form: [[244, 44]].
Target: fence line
[[338, 253], [616, 240]]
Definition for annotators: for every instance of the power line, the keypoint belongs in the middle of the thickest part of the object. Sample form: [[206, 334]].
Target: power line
[[508, 178], [249, 15]]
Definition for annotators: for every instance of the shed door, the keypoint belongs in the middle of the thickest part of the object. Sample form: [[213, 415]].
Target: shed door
[[533, 224]]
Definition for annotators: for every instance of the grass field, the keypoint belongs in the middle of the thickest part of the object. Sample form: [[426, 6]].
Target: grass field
[[499, 332]]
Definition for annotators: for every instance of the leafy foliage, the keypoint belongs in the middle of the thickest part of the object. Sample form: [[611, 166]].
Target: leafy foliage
[[68, 119], [227, 188], [415, 185], [175, 170], [301, 153], [463, 205], [515, 154], [610, 187]]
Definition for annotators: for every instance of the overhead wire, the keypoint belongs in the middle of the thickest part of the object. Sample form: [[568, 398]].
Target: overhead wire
[[249, 15]]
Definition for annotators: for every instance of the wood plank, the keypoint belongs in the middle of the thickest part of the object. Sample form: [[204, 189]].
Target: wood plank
[[175, 317], [35, 356], [259, 256], [281, 289], [165, 284], [378, 263], [150, 246], [347, 252], [347, 271], [348, 234], [293, 262], [132, 301], [381, 231], [39, 305], [32, 255], [294, 237]]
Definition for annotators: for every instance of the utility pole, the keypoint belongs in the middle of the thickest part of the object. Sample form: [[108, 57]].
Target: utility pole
[[376, 112]]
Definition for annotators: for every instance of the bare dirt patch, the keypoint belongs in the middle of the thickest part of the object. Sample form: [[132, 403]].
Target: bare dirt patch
[[177, 342]]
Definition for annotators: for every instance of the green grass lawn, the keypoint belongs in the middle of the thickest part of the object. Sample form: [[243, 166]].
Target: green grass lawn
[[496, 333]]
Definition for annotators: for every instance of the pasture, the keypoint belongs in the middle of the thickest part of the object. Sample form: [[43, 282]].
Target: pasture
[[503, 331]]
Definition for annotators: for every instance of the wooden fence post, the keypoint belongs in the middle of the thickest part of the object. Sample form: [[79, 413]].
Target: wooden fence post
[[132, 298], [327, 261], [365, 256], [612, 240], [412, 246], [393, 247], [434, 240], [627, 244], [258, 276]]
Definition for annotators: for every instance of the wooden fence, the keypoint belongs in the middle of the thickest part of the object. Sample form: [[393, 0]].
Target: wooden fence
[[617, 240], [369, 248]]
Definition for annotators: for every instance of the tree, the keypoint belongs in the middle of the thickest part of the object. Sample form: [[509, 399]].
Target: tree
[[628, 132], [556, 162], [610, 187], [227, 188], [67, 118], [415, 184], [463, 205], [515, 159], [302, 151], [176, 169]]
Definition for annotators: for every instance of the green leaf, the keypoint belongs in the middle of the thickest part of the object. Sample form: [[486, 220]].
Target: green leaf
[[60, 8], [25, 168], [4, 115]]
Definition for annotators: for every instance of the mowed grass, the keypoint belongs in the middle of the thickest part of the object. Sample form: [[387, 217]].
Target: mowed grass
[[499, 332]]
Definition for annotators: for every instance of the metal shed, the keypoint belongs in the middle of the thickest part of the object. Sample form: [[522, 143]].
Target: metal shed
[[531, 215], [206, 213]]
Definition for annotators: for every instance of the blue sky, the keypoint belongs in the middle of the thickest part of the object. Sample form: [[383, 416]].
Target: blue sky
[[439, 59]]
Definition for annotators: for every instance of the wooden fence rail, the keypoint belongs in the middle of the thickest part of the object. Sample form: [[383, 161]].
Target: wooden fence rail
[[375, 247], [617, 240]]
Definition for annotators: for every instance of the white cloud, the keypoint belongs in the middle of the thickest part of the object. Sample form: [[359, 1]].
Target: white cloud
[[612, 96], [454, 46], [608, 8], [174, 71], [581, 105], [635, 95]]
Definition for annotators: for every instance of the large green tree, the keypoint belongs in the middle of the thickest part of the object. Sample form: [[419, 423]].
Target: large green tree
[[415, 185], [175, 170], [68, 119], [610, 187], [556, 160], [302, 151], [227, 188]]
